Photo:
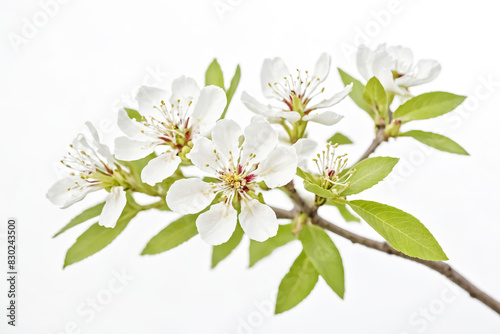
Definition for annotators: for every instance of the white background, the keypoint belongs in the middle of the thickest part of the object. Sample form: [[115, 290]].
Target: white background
[[91, 56]]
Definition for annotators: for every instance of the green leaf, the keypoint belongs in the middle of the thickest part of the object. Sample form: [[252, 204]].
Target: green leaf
[[297, 284], [435, 140], [340, 139], [259, 250], [305, 175], [324, 255], [321, 192], [403, 231], [176, 233], [232, 89], [214, 76], [133, 114], [376, 96], [356, 93], [82, 217], [97, 237], [344, 212], [368, 173], [427, 105], [220, 252]]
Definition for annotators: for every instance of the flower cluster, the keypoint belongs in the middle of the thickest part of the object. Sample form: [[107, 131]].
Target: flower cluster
[[180, 130]]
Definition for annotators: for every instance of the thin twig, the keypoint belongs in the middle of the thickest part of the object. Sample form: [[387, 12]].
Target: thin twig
[[379, 138], [441, 267]]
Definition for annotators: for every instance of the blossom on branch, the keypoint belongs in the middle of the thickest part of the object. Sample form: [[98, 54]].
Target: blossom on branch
[[294, 91], [92, 168], [170, 125], [237, 160], [394, 67]]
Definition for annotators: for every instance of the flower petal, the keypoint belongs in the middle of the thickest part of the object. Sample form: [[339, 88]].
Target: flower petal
[[335, 98], [64, 195], [382, 65], [184, 89], [426, 70], [304, 148], [254, 105], [161, 167], [226, 136], [322, 67], [258, 220], [203, 155], [363, 62], [129, 150], [102, 149], [217, 224], [291, 116], [116, 201], [149, 97], [403, 58], [209, 108], [273, 114], [260, 139], [189, 196], [278, 168], [273, 71], [130, 127], [325, 117]]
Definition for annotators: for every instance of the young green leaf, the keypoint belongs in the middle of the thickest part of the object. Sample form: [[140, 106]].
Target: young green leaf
[[427, 105], [176, 233], [133, 114], [321, 192], [344, 212], [297, 284], [375, 95], [82, 217], [220, 252], [214, 76], [259, 250], [357, 92], [97, 237], [325, 257], [435, 140], [340, 139], [368, 173], [232, 89], [403, 231], [305, 175]]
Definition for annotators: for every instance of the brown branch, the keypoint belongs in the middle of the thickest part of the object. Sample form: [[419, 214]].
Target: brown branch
[[379, 138], [441, 267]]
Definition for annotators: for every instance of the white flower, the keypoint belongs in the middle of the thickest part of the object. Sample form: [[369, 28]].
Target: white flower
[[171, 125], [395, 68], [237, 169], [295, 92], [93, 168]]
